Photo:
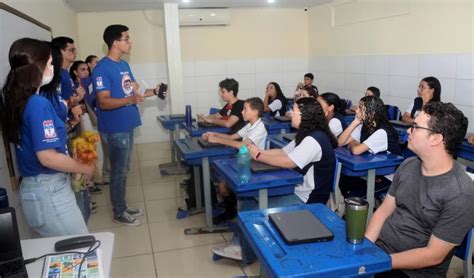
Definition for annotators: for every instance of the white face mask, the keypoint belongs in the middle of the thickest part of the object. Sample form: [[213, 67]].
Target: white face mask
[[47, 79]]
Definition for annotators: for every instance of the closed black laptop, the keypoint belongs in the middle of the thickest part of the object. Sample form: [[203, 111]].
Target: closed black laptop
[[300, 226], [11, 257], [259, 167], [206, 124], [177, 116], [205, 144], [283, 118]]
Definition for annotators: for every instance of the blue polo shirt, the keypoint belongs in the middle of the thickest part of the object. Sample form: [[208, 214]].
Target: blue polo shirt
[[59, 104], [67, 85], [117, 78], [41, 130]]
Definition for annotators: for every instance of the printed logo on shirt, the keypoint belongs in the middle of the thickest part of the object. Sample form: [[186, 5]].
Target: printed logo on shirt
[[49, 131], [127, 85], [99, 83]]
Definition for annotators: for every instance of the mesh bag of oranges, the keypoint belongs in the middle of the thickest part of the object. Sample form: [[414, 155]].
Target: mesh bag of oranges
[[84, 150]]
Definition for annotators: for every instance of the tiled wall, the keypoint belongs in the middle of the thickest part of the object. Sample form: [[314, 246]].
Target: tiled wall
[[201, 79], [397, 76]]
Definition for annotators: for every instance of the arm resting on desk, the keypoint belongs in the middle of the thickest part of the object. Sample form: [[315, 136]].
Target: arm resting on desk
[[224, 123], [358, 148], [280, 160], [228, 142], [407, 118], [378, 219], [433, 254]]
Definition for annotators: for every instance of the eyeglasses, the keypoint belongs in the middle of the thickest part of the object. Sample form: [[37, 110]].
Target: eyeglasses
[[73, 50], [415, 126]]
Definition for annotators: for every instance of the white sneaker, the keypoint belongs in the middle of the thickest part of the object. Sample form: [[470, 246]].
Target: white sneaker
[[127, 220], [232, 251], [135, 212]]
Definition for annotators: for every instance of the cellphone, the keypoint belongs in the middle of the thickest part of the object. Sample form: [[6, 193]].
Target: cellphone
[[162, 90]]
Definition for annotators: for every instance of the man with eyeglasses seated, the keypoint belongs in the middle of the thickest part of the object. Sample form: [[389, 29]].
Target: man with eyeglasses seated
[[429, 206]]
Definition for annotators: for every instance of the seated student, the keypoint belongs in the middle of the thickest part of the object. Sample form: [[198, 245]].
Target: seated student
[[308, 82], [307, 91], [311, 153], [253, 133], [370, 131], [430, 205], [333, 110], [370, 91], [230, 115], [429, 90], [274, 102]]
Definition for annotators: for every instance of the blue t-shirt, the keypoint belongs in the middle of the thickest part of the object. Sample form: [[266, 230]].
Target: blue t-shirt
[[58, 103], [90, 96], [41, 130], [117, 78], [67, 85]]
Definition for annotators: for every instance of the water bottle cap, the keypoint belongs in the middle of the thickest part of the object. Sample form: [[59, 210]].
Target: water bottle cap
[[243, 150]]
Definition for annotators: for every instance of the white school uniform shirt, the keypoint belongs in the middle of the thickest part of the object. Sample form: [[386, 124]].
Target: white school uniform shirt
[[275, 105], [411, 108], [377, 142], [306, 152], [255, 133], [335, 126]]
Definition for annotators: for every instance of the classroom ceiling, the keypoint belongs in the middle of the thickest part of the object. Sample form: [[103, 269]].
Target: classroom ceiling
[[127, 5]]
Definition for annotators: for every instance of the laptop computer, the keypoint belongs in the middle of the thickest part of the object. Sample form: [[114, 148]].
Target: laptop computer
[[11, 257], [177, 116], [259, 167], [300, 226], [205, 144], [283, 118], [290, 136]]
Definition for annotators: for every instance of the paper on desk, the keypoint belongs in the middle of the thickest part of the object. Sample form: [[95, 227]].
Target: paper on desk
[[67, 265]]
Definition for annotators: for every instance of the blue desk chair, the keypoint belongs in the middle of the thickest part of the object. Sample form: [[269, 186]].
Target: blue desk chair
[[335, 194], [213, 110], [348, 103], [464, 252], [393, 112]]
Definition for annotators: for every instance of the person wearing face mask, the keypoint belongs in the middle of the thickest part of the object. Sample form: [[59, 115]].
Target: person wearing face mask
[[429, 90], [30, 122]]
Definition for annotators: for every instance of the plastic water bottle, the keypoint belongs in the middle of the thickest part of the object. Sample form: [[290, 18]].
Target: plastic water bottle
[[243, 161]]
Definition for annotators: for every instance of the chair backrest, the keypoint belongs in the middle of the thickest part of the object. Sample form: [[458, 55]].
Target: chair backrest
[[213, 110], [464, 252], [334, 202], [393, 112], [348, 103]]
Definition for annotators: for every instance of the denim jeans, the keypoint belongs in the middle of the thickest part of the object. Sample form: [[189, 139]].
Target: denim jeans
[[49, 205], [119, 148], [105, 162], [83, 199], [248, 256]]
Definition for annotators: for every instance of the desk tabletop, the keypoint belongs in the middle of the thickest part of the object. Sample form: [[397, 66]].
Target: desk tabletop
[[333, 258], [367, 161], [170, 124], [36, 247], [197, 131], [190, 149], [271, 123], [228, 168], [466, 151]]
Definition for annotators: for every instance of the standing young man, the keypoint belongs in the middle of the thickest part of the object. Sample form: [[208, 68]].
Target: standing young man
[[118, 116], [430, 206]]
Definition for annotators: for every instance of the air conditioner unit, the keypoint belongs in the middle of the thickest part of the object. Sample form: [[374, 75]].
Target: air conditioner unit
[[204, 17]]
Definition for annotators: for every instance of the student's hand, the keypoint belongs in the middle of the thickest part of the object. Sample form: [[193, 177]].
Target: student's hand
[[471, 139], [77, 113], [136, 88], [136, 98], [89, 170], [74, 99], [80, 92], [300, 86], [212, 138], [200, 117], [253, 150], [205, 136]]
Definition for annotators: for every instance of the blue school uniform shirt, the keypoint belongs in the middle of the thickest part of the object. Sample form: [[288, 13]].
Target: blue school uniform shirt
[[41, 130], [58, 103], [67, 85], [117, 78]]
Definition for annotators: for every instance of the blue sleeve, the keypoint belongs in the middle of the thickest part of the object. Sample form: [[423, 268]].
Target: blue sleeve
[[66, 86], [43, 127], [101, 80]]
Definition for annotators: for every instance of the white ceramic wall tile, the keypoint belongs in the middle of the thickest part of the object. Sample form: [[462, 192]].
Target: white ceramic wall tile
[[209, 68], [295, 65], [334, 82], [402, 103], [189, 69], [464, 92], [379, 81], [189, 84], [377, 64], [440, 66], [465, 65], [404, 65], [262, 79], [268, 65], [354, 82], [316, 64], [448, 90], [240, 66], [354, 64], [291, 79], [248, 93], [403, 86], [208, 83], [333, 64], [246, 81]]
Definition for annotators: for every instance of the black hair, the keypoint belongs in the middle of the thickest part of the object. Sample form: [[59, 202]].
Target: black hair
[[113, 33], [90, 58], [312, 118], [434, 84], [375, 115], [230, 84], [279, 95], [309, 75], [51, 90], [73, 68], [448, 121], [61, 42], [28, 59], [311, 91], [256, 103], [333, 99], [375, 91]]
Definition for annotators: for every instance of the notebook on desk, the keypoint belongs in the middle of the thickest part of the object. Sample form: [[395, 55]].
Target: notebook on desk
[[259, 167], [400, 123], [11, 257], [283, 118], [205, 144], [300, 226], [177, 116], [206, 124]]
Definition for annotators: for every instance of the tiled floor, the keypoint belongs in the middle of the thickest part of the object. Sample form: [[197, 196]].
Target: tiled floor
[[159, 248]]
